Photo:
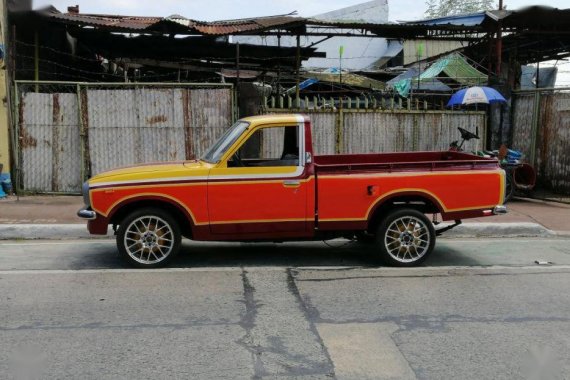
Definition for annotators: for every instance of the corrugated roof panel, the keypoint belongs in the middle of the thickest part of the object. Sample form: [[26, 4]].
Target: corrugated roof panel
[[471, 19], [143, 23]]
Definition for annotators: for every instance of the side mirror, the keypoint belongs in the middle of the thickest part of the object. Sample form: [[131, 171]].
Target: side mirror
[[308, 158]]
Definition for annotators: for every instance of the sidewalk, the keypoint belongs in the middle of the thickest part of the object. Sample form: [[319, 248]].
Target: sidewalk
[[526, 217]]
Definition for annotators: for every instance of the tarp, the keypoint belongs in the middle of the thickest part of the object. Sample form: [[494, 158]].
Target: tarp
[[349, 79], [454, 66], [425, 85]]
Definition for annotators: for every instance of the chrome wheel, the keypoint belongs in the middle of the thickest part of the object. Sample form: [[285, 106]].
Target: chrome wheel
[[407, 239], [149, 239]]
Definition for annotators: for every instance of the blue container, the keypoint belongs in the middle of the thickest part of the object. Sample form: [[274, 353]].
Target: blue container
[[7, 186], [514, 154]]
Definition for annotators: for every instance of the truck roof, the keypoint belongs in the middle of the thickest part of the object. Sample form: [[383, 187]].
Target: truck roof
[[276, 118]]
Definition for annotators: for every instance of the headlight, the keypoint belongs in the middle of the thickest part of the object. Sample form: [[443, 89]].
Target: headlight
[[85, 191]]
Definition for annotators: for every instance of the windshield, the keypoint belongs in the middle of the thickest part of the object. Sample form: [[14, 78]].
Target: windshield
[[216, 151]]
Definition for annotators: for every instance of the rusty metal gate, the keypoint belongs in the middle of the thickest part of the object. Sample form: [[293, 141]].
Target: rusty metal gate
[[66, 132], [541, 130]]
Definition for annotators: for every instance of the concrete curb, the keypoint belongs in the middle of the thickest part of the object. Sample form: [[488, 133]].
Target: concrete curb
[[522, 229], [46, 232], [79, 231]]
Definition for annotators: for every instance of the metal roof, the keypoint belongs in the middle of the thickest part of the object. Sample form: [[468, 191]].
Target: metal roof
[[468, 19], [463, 27], [181, 24]]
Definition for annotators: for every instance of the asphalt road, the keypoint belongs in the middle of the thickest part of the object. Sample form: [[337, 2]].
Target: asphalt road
[[478, 309]]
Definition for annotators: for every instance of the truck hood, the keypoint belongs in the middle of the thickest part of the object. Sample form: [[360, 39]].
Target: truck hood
[[153, 171]]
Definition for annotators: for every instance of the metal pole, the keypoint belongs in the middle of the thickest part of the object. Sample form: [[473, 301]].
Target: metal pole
[[37, 59], [298, 64], [499, 42], [279, 65], [237, 79], [537, 74], [82, 135]]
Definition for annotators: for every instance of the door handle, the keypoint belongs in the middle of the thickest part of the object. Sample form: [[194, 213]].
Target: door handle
[[291, 183]]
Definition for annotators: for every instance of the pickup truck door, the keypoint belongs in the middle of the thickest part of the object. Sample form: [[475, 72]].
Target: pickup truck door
[[261, 187]]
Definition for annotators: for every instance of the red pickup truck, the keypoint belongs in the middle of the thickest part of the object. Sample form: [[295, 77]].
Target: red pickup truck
[[261, 181]]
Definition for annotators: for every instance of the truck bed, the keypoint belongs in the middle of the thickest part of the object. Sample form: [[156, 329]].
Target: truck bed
[[407, 161]]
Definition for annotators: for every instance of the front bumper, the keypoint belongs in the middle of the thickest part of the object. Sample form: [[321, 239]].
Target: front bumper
[[96, 224], [87, 214]]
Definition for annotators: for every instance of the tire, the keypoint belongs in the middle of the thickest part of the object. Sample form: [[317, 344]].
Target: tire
[[148, 238], [405, 238]]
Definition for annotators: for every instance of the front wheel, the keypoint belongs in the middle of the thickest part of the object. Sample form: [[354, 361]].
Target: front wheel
[[148, 238], [405, 238]]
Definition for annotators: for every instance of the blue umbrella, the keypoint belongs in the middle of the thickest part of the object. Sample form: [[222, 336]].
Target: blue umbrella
[[474, 95]]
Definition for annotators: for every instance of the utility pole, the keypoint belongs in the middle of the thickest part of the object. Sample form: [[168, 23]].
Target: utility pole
[[340, 53], [298, 64], [499, 42]]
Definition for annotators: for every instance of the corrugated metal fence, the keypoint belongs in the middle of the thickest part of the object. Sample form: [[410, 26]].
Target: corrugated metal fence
[[541, 130], [66, 132], [377, 130]]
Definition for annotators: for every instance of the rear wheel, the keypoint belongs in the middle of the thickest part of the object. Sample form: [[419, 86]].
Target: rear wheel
[[405, 238], [148, 238]]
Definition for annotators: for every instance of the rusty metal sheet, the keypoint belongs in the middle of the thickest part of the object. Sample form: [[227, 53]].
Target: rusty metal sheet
[[209, 115], [522, 123], [324, 137], [378, 132], [67, 145], [108, 21], [375, 132], [553, 143], [49, 140], [134, 126], [35, 141], [435, 131], [137, 23]]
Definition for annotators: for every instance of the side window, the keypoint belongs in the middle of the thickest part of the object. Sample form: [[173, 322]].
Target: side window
[[271, 146]]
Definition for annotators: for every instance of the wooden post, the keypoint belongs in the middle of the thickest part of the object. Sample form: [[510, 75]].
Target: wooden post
[[338, 132]]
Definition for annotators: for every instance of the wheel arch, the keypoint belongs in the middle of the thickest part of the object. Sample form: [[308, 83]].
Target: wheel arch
[[418, 200], [183, 216]]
